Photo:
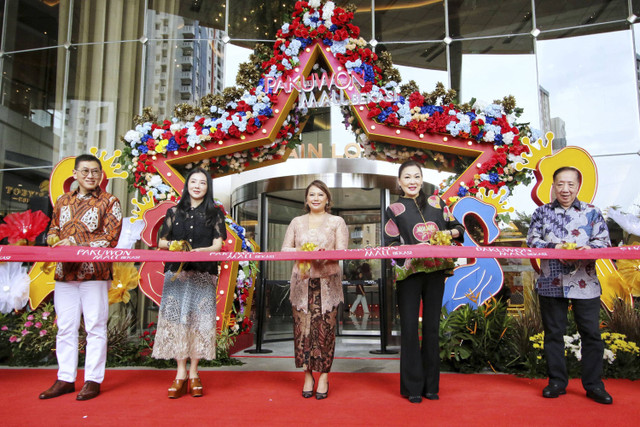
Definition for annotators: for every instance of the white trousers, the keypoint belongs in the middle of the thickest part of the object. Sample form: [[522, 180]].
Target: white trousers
[[360, 299], [90, 299]]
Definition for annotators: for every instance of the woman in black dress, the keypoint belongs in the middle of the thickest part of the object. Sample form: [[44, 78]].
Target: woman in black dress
[[187, 316], [414, 219]]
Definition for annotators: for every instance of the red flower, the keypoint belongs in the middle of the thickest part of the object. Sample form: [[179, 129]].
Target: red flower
[[416, 100], [23, 226]]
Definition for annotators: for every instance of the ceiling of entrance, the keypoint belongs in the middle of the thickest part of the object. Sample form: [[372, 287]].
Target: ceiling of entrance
[[413, 30]]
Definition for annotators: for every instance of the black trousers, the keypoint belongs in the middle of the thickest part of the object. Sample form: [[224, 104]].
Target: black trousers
[[554, 318], [420, 365]]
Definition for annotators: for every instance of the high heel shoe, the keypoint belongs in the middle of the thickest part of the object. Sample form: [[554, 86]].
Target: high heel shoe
[[324, 395], [195, 386], [178, 388], [308, 394]]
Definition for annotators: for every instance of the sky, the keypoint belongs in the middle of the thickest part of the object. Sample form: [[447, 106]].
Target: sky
[[588, 80]]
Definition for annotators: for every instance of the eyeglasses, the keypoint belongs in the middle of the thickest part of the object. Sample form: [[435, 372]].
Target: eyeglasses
[[94, 172]]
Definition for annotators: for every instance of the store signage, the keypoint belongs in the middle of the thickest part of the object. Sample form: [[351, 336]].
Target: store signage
[[332, 89]]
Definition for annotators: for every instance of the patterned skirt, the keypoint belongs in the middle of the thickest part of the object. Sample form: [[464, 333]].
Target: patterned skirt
[[314, 336], [187, 317]]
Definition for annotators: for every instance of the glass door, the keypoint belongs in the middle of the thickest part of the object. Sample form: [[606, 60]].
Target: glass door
[[278, 320], [361, 278]]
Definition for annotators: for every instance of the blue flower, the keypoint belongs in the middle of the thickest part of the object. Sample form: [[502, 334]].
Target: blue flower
[[143, 149], [462, 191], [493, 110], [494, 178], [266, 112], [172, 145]]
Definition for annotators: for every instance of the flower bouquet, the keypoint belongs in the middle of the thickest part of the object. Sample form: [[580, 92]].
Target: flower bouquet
[[305, 266]]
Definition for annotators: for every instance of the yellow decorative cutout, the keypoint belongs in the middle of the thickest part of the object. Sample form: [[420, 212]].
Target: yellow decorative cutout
[[494, 199], [42, 284], [107, 163], [539, 151], [613, 286], [568, 156], [141, 208], [61, 173]]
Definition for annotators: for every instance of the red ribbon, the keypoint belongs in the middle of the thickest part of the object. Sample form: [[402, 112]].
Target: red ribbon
[[86, 254]]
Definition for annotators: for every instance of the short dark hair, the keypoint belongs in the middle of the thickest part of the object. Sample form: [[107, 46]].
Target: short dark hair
[[567, 169], [323, 187], [87, 158]]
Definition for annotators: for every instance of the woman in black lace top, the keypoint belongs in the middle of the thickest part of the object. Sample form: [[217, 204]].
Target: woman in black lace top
[[187, 316], [413, 219]]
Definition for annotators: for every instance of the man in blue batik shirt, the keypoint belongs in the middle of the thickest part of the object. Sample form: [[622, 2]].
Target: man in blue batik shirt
[[568, 220]]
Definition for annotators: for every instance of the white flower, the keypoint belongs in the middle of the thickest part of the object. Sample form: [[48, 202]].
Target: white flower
[[314, 4], [157, 133], [155, 181], [609, 356], [14, 286], [241, 275], [133, 136], [507, 138]]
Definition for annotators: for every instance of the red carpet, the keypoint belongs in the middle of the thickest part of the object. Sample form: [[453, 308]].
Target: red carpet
[[138, 398]]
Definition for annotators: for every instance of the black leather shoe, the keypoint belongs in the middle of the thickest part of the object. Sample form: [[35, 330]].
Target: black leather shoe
[[432, 396], [600, 395], [415, 399], [552, 391]]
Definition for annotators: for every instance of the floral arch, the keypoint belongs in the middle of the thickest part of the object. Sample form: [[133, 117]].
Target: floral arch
[[318, 57]]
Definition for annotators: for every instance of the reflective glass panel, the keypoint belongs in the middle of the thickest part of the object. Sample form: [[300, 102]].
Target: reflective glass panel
[[102, 21], [409, 20], [209, 13], [427, 56], [27, 133], [99, 108], [257, 20], [481, 18], [592, 92], [31, 24], [555, 15]]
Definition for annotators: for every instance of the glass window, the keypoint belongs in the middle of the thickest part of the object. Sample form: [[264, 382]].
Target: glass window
[[98, 108], [420, 56], [592, 91], [33, 25], [29, 84], [557, 15], [481, 18], [362, 15], [409, 21], [489, 77], [101, 21], [256, 19], [493, 68]]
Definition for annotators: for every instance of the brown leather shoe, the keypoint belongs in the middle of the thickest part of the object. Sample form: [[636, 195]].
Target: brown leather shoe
[[195, 386], [178, 388], [90, 389], [58, 389]]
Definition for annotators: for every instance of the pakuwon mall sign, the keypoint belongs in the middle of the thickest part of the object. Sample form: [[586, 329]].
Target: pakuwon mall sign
[[331, 87]]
